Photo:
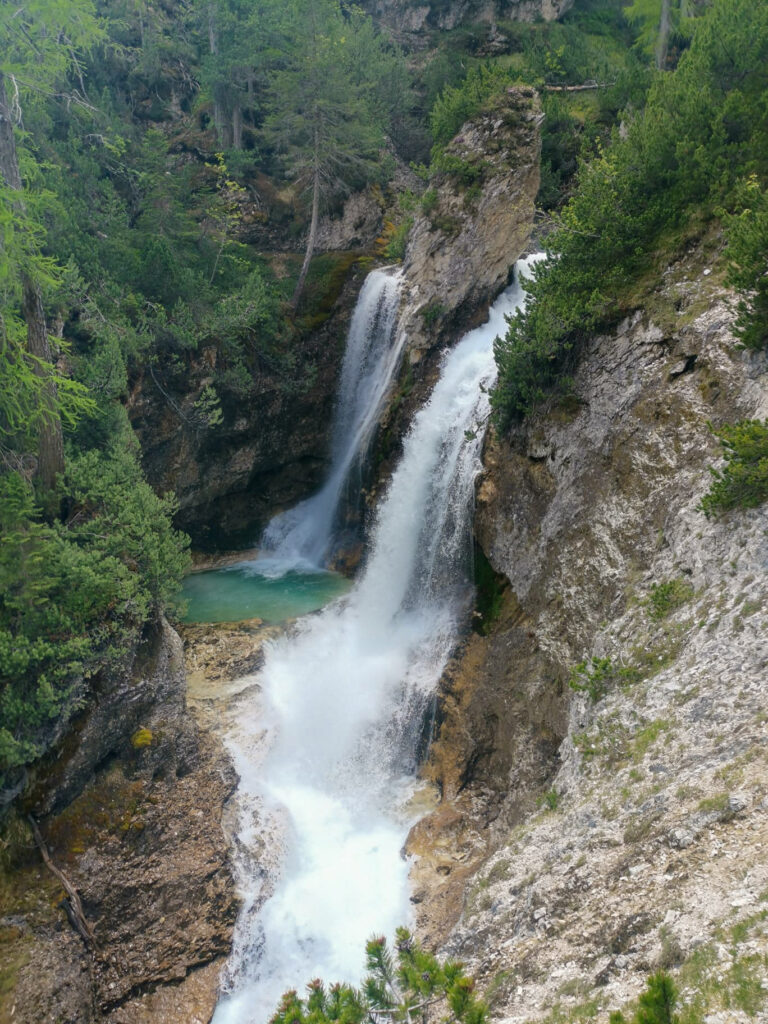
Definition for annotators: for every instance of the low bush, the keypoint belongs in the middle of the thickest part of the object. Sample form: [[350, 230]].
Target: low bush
[[743, 481]]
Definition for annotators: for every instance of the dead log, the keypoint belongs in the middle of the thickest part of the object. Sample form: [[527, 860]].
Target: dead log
[[72, 904]]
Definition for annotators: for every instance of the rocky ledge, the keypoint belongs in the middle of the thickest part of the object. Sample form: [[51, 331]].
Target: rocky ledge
[[475, 221]]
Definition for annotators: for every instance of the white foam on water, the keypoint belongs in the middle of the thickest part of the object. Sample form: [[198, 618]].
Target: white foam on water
[[344, 699]]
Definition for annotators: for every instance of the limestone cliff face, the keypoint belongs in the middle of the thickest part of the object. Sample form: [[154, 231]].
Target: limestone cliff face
[[412, 20], [463, 246], [130, 807], [475, 221], [580, 844]]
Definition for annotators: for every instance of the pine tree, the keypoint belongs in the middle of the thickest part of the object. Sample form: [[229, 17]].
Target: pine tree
[[321, 114], [402, 986]]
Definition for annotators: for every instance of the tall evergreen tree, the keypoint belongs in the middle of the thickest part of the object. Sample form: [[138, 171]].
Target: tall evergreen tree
[[39, 43], [322, 116]]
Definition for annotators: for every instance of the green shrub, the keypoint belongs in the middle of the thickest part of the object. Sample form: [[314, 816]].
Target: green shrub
[[743, 481], [432, 312], [489, 592], [656, 1005], [668, 597], [747, 234], [398, 240], [592, 677], [551, 800], [457, 104], [463, 172], [75, 593], [429, 201]]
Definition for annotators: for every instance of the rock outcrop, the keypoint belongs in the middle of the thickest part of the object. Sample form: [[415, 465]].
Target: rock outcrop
[[462, 247], [609, 831], [130, 809], [412, 21], [475, 221]]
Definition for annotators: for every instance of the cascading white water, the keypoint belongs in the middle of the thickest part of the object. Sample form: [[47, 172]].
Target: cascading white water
[[301, 537], [345, 698]]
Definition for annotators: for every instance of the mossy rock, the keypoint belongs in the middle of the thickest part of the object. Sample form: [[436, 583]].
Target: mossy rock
[[141, 738]]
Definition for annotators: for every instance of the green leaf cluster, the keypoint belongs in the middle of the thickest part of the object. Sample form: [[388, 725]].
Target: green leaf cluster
[[403, 985], [743, 481], [747, 235]]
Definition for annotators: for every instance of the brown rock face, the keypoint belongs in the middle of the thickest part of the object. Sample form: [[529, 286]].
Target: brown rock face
[[131, 813]]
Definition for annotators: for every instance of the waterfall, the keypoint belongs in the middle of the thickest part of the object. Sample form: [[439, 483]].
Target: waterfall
[[344, 700], [301, 537]]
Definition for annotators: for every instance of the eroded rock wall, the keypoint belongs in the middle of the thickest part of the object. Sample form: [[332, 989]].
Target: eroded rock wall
[[580, 844], [270, 448], [130, 808]]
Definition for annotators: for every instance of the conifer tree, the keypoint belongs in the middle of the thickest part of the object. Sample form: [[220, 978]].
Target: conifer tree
[[39, 43], [322, 116], [408, 986]]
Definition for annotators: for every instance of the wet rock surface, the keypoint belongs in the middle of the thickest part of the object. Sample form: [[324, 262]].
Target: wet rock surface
[[270, 448], [582, 843]]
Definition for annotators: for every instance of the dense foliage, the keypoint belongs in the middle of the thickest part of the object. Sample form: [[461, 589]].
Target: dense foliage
[[130, 135], [74, 592], [747, 233], [409, 986], [703, 130]]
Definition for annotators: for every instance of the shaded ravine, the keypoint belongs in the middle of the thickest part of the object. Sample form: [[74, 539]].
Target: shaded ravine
[[343, 700]]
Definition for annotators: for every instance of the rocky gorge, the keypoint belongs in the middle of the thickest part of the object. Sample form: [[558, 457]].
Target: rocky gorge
[[595, 772]]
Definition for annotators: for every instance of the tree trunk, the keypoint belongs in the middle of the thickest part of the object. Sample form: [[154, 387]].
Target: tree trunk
[[220, 120], [312, 234], [663, 40], [237, 127], [50, 461], [50, 444]]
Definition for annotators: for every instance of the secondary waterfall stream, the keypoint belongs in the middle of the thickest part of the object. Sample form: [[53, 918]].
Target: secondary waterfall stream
[[343, 698], [302, 536]]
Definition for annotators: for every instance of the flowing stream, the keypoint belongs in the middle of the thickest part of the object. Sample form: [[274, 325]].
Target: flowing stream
[[344, 699], [301, 537]]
